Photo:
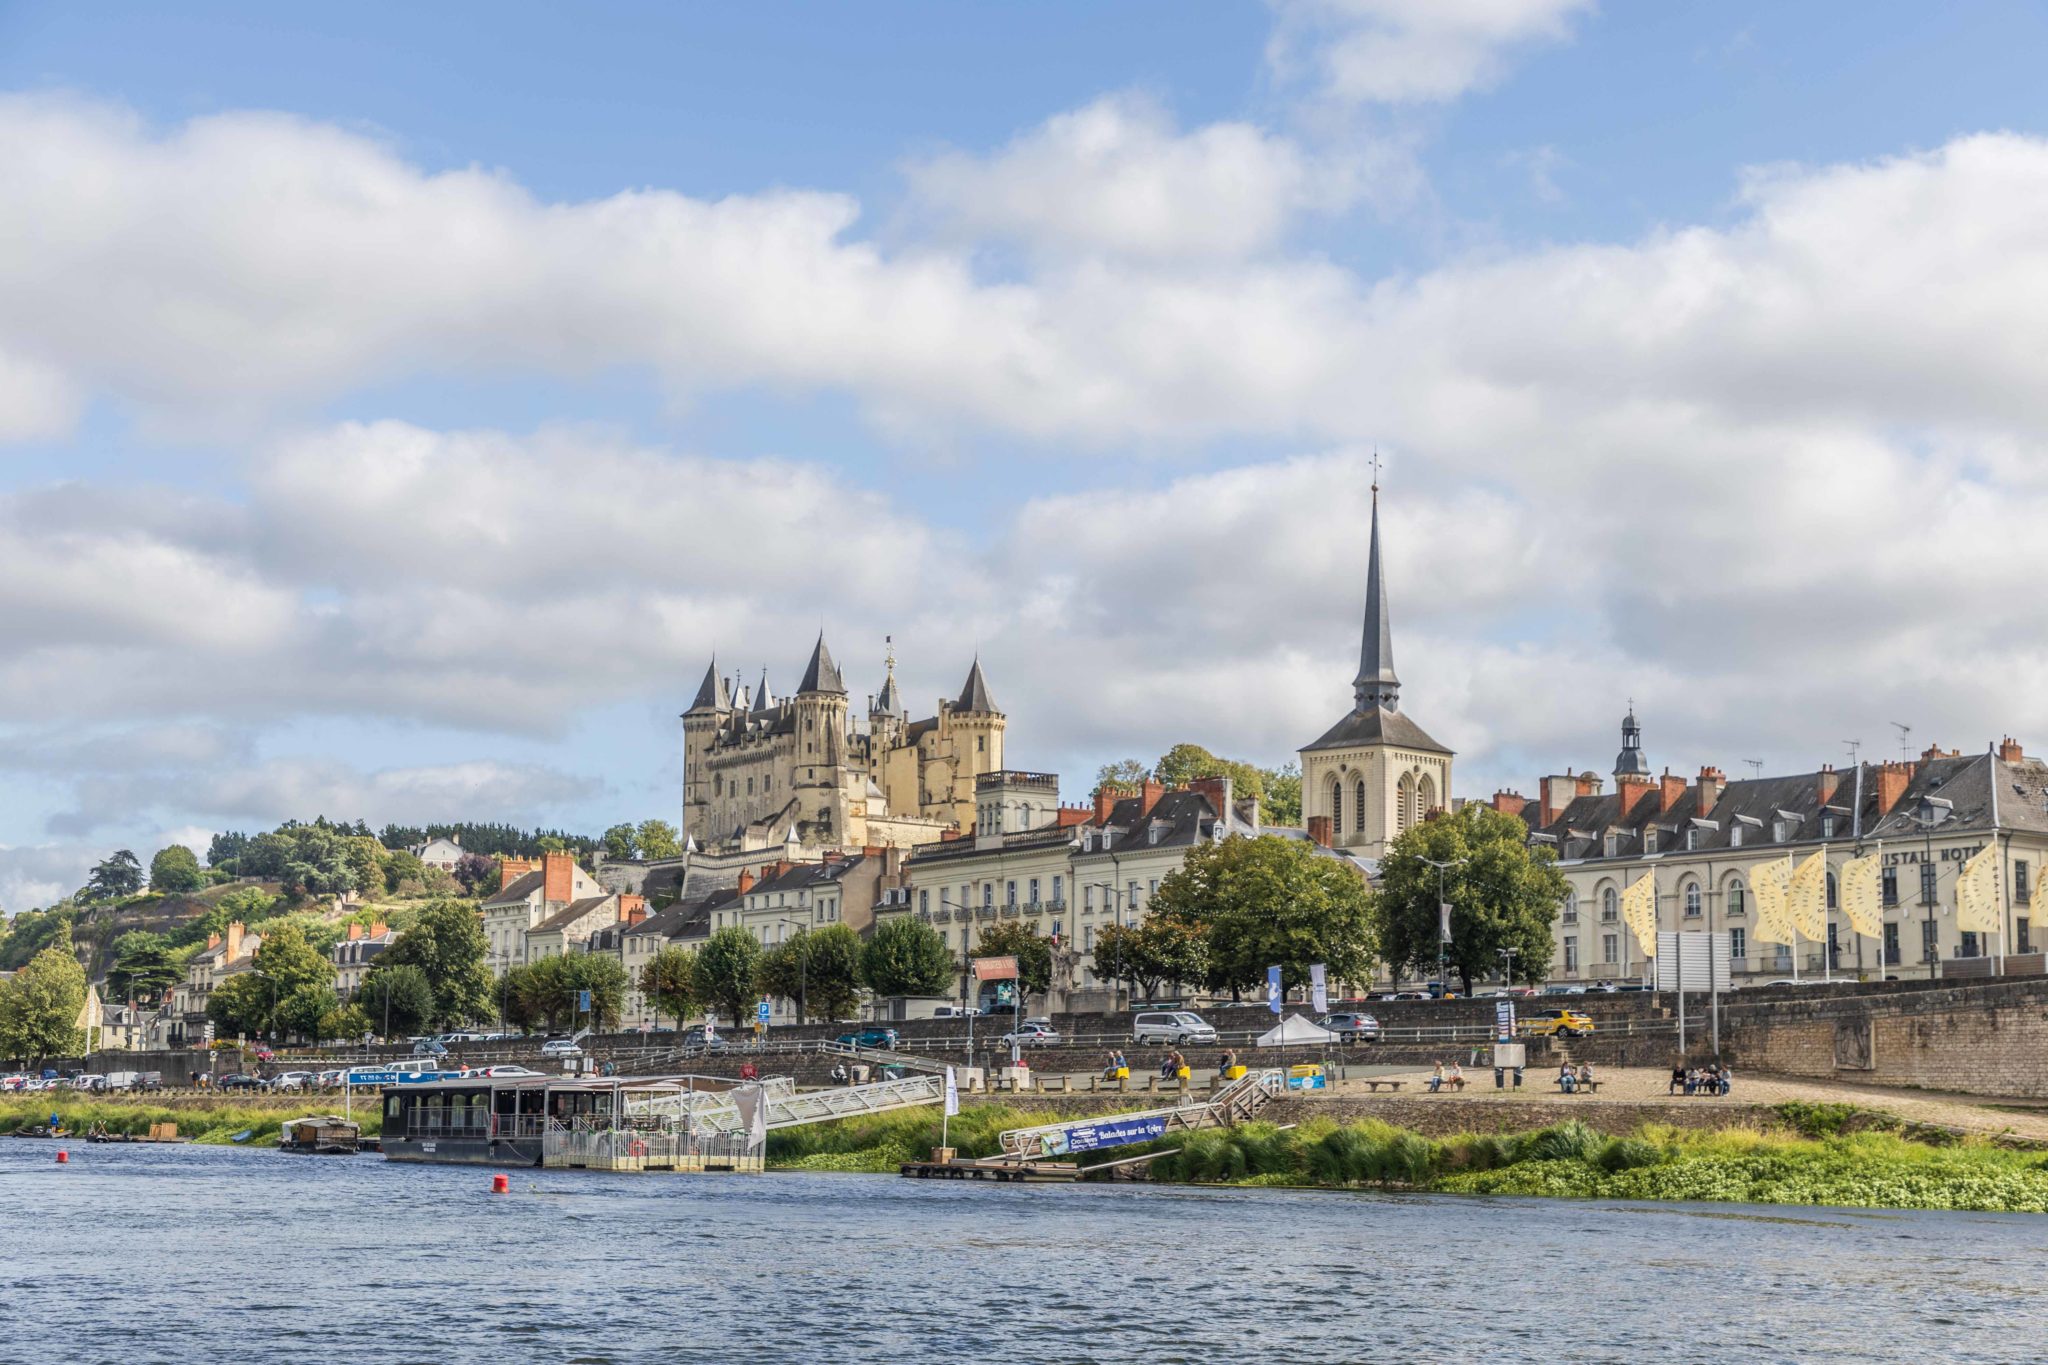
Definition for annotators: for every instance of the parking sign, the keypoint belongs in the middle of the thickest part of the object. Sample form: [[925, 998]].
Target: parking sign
[[761, 1011]]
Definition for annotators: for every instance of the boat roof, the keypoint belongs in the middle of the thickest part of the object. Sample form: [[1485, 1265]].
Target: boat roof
[[593, 1084]]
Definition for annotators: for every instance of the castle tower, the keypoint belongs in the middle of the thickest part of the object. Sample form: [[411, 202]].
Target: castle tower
[[886, 715], [707, 712], [1375, 772], [820, 756], [973, 729]]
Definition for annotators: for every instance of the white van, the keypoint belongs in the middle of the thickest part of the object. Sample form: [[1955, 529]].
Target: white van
[[1175, 1027]]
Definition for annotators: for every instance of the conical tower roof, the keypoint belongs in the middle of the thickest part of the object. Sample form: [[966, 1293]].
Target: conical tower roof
[[821, 674], [762, 697], [1376, 685], [712, 694], [890, 702], [974, 696]]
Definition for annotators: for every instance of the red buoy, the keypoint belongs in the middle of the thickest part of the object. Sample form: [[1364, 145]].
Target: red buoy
[[500, 1184], [63, 1158]]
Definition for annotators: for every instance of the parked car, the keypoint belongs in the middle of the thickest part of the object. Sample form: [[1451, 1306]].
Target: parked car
[[504, 1071], [1352, 1026], [238, 1081], [1174, 1027], [1568, 1022], [429, 1047], [1411, 995], [292, 1080], [559, 1047], [15, 1082], [698, 1039], [956, 1012], [1032, 1031], [874, 1037]]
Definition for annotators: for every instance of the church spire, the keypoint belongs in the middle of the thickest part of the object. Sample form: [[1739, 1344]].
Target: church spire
[[1376, 684]]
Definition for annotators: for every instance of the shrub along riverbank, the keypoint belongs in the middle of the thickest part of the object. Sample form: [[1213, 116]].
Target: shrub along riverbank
[[210, 1119], [1836, 1155]]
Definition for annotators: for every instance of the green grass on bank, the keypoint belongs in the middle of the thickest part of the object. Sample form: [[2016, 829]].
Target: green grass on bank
[[210, 1119], [886, 1141]]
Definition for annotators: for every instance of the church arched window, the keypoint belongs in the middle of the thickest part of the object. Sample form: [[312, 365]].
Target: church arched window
[[1405, 801], [1358, 806], [1425, 796], [1337, 806]]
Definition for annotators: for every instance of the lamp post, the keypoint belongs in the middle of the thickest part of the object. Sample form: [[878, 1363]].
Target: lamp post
[[1443, 982], [1116, 896], [966, 968], [1509, 978]]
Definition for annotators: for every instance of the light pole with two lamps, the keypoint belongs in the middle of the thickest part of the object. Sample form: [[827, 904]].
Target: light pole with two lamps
[[1443, 932]]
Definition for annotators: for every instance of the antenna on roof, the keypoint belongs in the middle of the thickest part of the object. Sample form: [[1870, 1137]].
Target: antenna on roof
[[1756, 767], [1855, 748], [1905, 739]]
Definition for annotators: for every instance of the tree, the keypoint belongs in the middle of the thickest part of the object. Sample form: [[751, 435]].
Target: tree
[[31, 931], [1123, 777], [620, 841], [225, 849], [817, 968], [669, 982], [602, 975], [1185, 763], [478, 875], [726, 968], [303, 1011], [400, 867], [1271, 902], [398, 999], [366, 865], [142, 969], [240, 1006], [346, 1021], [1502, 894], [115, 877], [1168, 946], [784, 972], [529, 994], [658, 839], [175, 870], [1282, 805], [447, 944], [906, 956], [40, 1005], [1014, 938], [285, 961]]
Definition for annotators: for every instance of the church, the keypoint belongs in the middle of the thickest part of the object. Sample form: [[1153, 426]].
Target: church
[[765, 772], [1375, 772]]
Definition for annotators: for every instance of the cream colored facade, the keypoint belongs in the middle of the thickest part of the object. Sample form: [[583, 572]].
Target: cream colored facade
[[529, 896], [758, 769]]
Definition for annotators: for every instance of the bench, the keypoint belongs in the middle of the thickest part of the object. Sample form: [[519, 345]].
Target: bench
[[1373, 1083], [1578, 1086], [1057, 1084]]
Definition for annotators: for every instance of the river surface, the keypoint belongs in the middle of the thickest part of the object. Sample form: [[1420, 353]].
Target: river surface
[[175, 1254]]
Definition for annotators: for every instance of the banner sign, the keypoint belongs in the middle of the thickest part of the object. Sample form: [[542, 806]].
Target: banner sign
[[1090, 1137], [1443, 921], [1504, 1020], [1273, 989], [995, 969], [952, 1095], [386, 1076], [1319, 979]]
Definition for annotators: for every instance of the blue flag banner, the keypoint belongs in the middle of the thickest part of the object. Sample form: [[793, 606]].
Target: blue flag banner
[[1089, 1137], [1273, 989], [583, 1000]]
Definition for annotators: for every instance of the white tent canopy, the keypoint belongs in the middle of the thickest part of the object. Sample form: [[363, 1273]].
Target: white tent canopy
[[1296, 1030]]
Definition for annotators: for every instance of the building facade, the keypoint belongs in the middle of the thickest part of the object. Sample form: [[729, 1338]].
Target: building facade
[[1375, 772], [354, 954], [758, 769], [529, 896]]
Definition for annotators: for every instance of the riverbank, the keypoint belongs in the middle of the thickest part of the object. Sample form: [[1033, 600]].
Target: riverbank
[[1835, 1155], [200, 1118]]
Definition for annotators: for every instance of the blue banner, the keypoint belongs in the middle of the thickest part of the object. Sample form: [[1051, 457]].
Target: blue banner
[[384, 1076], [1273, 989], [1089, 1137], [583, 1001]]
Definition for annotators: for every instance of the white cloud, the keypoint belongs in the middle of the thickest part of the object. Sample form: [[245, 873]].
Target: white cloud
[[1409, 51], [1118, 176]]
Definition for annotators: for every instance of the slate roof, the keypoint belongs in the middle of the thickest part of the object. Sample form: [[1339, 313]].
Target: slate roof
[[712, 693], [518, 889], [974, 696], [821, 674], [569, 914], [1376, 683], [1376, 725]]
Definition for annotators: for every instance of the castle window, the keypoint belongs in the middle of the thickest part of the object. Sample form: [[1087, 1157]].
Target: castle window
[[750, 786], [981, 744], [718, 785]]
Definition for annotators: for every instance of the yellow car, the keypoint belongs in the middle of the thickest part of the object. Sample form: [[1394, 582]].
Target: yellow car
[[1550, 1022]]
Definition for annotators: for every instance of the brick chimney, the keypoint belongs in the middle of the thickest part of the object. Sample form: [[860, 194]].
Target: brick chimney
[[632, 909], [1830, 782], [1936, 751], [1891, 785], [2009, 750], [1148, 797], [235, 932], [379, 929], [1589, 783], [511, 869], [1105, 802], [1669, 790], [558, 871], [1319, 830], [746, 883], [1217, 789], [1712, 782], [1631, 789], [1553, 794], [1069, 816], [355, 931], [213, 940], [1509, 802]]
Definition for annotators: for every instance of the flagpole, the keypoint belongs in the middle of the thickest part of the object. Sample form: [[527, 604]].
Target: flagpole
[[1792, 920]]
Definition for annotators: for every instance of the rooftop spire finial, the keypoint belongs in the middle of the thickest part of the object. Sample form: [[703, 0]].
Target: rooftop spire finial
[[1377, 685]]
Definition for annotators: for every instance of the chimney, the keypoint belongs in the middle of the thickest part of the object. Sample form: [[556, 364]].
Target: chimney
[[558, 871], [1217, 789], [632, 909], [1830, 782], [1105, 802], [1631, 789], [1712, 781], [1148, 797], [1891, 785], [1069, 816], [1936, 751], [455, 839], [1553, 795], [2009, 750], [379, 929], [355, 931], [1319, 830], [1669, 790], [1509, 802], [213, 940], [1589, 783], [746, 881], [234, 940]]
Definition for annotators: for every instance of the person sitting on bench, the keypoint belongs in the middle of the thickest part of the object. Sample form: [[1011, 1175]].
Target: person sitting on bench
[[1566, 1080], [1456, 1077], [1436, 1079], [1677, 1079], [1585, 1075]]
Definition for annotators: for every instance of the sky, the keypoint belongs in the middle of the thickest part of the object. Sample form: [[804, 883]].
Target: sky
[[400, 405]]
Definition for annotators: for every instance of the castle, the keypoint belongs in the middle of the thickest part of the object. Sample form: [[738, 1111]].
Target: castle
[[761, 772]]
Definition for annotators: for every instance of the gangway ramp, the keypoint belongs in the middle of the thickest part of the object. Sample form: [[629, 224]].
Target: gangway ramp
[[1236, 1102], [788, 1107], [883, 1057]]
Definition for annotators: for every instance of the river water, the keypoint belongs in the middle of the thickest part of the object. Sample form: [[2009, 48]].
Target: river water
[[175, 1254]]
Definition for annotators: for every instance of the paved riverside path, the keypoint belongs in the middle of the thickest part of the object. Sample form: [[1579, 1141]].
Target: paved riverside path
[[1637, 1087]]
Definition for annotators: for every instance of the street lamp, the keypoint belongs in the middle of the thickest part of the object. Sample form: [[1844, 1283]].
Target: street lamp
[[966, 968], [1443, 980], [1509, 978]]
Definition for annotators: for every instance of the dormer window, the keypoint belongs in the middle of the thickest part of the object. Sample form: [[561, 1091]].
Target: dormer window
[[1735, 837], [1692, 840], [1152, 834], [1613, 844], [1827, 827], [1649, 841]]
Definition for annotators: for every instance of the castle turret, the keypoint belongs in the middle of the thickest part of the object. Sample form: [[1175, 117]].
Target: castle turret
[[820, 710], [713, 704]]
